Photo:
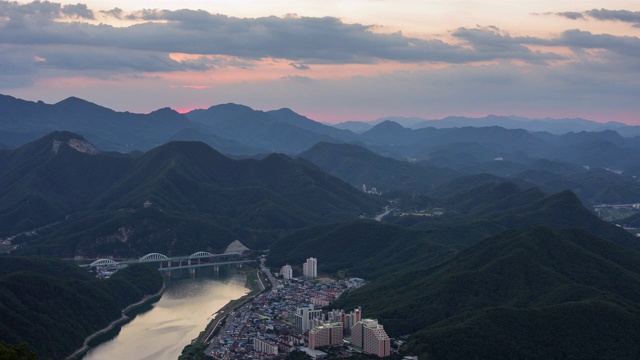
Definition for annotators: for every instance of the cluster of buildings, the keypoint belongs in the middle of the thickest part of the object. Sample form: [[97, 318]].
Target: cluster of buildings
[[285, 319], [338, 327], [309, 270]]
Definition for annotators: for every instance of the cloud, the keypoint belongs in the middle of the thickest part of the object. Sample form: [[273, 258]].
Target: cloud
[[302, 40], [298, 79], [491, 40], [79, 11], [571, 15], [96, 58], [616, 15], [38, 11], [626, 16], [299, 66], [623, 45], [116, 13]]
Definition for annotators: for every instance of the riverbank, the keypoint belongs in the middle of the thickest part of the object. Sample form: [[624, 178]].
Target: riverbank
[[253, 284], [113, 324]]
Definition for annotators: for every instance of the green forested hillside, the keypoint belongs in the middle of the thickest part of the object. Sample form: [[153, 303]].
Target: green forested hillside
[[530, 293], [53, 306], [365, 248], [180, 197], [508, 206]]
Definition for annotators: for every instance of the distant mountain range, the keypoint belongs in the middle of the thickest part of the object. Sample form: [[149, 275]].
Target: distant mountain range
[[228, 128], [600, 166], [550, 125]]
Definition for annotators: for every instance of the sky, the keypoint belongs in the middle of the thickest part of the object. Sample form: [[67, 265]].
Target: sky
[[331, 60]]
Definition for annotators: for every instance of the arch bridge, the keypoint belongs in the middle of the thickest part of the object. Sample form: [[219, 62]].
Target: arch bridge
[[193, 260]]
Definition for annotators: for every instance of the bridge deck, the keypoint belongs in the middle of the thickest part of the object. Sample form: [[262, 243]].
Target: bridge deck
[[206, 264]]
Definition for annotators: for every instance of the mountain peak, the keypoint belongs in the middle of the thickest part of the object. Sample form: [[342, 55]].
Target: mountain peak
[[78, 145], [388, 124], [72, 100], [73, 140]]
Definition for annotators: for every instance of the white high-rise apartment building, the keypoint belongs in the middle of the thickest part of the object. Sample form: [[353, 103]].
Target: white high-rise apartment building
[[304, 318], [286, 272], [310, 268]]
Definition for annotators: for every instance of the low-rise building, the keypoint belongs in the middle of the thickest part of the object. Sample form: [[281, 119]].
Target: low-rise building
[[265, 346]]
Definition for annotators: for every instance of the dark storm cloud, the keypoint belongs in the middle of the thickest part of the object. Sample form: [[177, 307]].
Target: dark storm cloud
[[627, 16]]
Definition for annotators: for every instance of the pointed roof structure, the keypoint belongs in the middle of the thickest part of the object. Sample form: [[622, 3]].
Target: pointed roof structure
[[236, 247]]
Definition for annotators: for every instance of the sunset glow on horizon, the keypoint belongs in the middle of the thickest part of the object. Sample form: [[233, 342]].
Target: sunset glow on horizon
[[331, 60]]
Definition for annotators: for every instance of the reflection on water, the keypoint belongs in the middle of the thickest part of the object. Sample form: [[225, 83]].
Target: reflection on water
[[185, 309]]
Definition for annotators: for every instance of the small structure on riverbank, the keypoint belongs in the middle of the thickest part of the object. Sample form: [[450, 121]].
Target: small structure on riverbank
[[236, 247]]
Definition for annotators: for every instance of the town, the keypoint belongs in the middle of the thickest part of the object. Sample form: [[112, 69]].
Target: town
[[289, 317]]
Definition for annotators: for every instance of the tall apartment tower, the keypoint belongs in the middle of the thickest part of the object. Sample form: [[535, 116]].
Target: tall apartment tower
[[304, 318], [347, 320], [286, 272], [310, 268], [325, 334], [371, 338]]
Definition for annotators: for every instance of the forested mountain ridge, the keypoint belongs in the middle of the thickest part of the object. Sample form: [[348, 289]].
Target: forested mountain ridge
[[53, 306], [519, 294], [97, 200], [498, 253]]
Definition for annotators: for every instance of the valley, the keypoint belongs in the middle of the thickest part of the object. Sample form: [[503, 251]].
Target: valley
[[485, 241]]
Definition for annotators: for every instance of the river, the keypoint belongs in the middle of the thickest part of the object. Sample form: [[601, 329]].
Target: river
[[185, 309]]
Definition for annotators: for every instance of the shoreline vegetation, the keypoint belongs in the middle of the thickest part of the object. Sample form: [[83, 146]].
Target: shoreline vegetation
[[198, 345], [145, 300]]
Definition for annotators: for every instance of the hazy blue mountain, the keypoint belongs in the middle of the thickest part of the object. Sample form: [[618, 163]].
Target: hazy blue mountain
[[357, 127], [217, 143], [258, 129], [108, 129], [359, 166], [292, 118], [553, 126]]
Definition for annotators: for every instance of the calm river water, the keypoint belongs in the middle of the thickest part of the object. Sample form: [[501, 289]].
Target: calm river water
[[185, 309]]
